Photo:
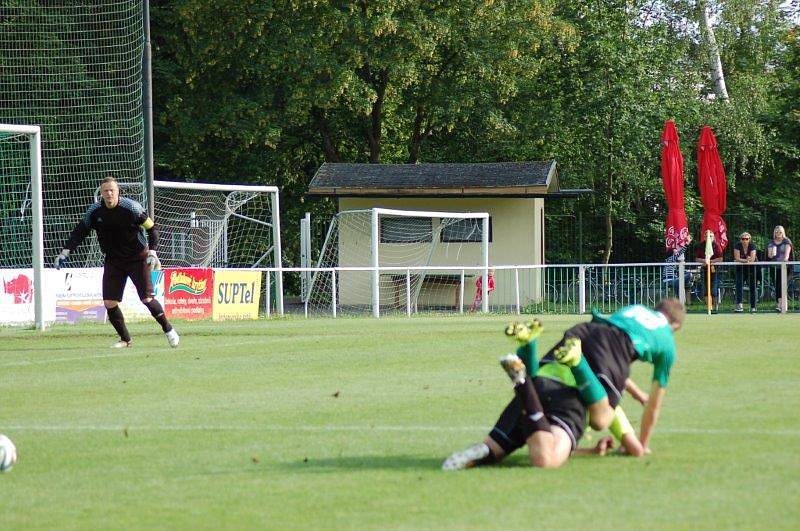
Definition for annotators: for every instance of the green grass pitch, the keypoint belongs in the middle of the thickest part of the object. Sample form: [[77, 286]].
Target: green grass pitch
[[294, 423]]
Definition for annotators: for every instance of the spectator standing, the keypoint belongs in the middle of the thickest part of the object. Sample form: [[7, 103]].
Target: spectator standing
[[744, 254], [779, 249]]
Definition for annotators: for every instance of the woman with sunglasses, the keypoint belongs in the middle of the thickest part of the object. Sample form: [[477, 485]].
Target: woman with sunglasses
[[744, 254]]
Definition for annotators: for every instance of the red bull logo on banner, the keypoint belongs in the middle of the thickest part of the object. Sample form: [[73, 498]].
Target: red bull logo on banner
[[20, 288], [17, 296]]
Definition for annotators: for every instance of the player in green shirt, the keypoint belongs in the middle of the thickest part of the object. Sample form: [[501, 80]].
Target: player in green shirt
[[603, 350]]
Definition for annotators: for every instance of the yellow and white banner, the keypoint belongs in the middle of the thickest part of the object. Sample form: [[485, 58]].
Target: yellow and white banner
[[237, 294]]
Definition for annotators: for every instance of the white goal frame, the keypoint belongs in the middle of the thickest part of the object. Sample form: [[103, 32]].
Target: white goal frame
[[34, 134], [375, 239], [276, 220]]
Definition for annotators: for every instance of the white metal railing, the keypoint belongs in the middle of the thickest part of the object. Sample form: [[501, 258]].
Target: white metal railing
[[534, 289]]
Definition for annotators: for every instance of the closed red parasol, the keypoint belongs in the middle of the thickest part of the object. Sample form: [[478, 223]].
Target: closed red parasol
[[712, 182], [677, 232]]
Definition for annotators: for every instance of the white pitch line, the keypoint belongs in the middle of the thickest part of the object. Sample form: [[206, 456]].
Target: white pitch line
[[365, 428], [23, 363]]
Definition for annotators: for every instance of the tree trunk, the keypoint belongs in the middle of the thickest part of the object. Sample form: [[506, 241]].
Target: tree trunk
[[715, 61], [609, 236], [416, 137], [328, 144], [376, 118]]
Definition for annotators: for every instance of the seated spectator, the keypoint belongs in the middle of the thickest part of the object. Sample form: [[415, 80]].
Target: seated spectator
[[716, 256], [744, 254], [671, 278]]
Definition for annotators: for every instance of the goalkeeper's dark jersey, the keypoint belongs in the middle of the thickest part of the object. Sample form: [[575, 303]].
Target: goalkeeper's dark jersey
[[120, 230]]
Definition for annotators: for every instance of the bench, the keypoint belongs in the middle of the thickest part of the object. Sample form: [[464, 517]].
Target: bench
[[429, 280]]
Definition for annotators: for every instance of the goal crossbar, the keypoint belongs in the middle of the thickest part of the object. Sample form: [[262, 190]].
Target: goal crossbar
[[216, 187]]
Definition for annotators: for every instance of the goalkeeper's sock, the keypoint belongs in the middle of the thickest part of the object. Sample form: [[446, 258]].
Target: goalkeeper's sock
[[533, 418], [157, 311], [527, 353], [589, 387], [117, 320]]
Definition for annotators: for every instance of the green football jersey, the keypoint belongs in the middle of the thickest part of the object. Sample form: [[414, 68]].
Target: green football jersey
[[650, 334]]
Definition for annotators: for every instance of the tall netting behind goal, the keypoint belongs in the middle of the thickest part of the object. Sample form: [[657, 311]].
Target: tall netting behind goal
[[383, 260], [75, 69]]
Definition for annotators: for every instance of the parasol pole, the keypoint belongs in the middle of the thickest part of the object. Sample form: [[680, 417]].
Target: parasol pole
[[709, 254]]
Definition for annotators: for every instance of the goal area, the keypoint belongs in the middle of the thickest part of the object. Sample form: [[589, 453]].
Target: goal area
[[386, 260]]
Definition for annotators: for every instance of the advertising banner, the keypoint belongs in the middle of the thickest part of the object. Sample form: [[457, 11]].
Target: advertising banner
[[79, 294], [188, 292], [237, 294], [16, 296], [132, 306]]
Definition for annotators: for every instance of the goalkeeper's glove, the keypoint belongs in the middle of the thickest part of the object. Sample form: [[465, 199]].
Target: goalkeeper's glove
[[152, 261], [61, 259]]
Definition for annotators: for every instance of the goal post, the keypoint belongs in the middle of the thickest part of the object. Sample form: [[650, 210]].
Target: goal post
[[21, 199], [220, 225], [383, 259]]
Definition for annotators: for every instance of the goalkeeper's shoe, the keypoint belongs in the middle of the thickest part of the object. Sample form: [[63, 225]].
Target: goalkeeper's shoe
[[121, 344], [514, 367], [569, 353], [466, 458], [173, 338], [524, 332]]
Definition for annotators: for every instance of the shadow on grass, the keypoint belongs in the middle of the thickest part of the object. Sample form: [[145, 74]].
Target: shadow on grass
[[364, 462], [383, 462]]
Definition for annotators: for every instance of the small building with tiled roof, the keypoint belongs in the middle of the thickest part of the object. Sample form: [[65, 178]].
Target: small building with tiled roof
[[491, 179], [512, 193]]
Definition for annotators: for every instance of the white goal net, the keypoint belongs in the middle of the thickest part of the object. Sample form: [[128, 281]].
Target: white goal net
[[221, 226], [383, 260]]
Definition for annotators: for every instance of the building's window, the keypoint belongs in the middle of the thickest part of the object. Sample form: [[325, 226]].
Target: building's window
[[465, 230], [405, 230]]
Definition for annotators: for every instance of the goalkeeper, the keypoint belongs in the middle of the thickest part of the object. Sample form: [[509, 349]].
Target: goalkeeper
[[121, 224], [554, 396]]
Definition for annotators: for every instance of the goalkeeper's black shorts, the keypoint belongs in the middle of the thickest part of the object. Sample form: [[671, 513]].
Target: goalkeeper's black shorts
[[562, 407], [117, 271]]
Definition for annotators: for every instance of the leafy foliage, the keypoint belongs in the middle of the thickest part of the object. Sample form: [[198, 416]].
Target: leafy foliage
[[253, 91]]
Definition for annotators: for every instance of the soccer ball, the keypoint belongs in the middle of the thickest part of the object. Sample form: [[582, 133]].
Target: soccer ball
[[8, 453]]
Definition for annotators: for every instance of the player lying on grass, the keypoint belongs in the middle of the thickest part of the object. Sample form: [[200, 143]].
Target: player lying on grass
[[121, 225], [553, 397]]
